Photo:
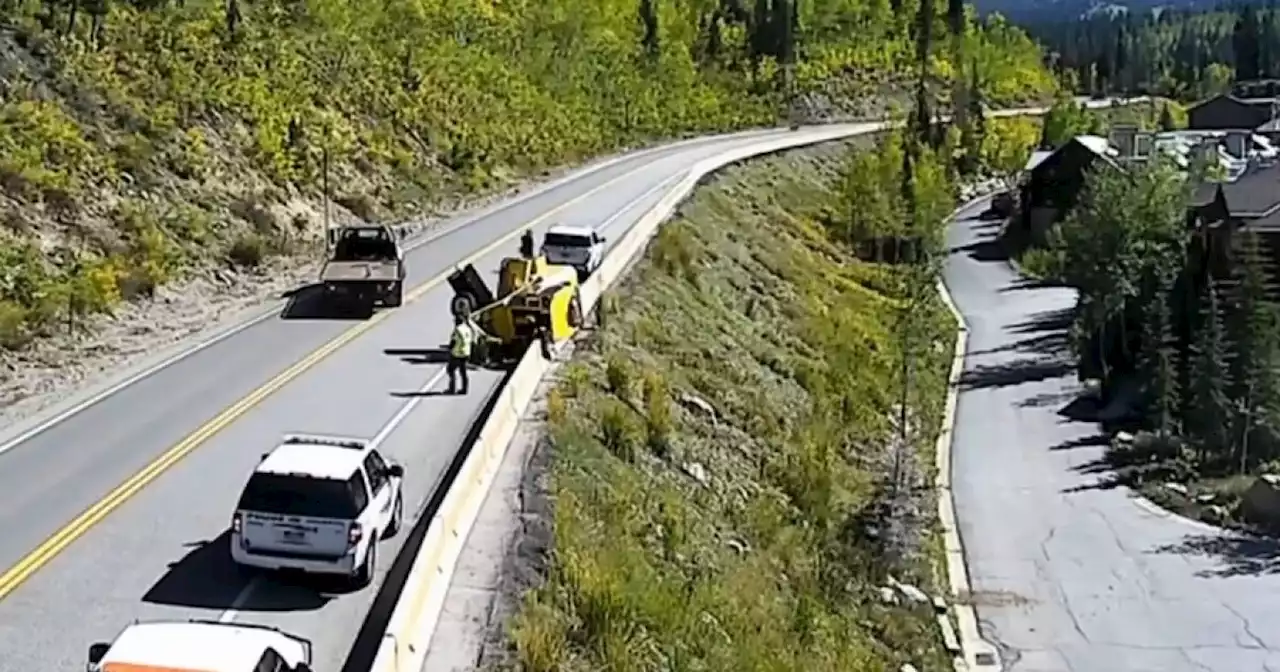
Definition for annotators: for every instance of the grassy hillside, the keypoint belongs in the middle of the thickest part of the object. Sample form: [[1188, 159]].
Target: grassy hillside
[[154, 139], [720, 449]]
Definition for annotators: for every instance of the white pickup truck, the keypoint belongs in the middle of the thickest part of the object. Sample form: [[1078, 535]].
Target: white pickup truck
[[578, 246]]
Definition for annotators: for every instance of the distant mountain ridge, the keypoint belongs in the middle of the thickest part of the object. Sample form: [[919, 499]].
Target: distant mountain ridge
[[1040, 11]]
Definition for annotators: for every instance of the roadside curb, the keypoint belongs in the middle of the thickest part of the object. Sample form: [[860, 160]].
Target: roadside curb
[[975, 652]]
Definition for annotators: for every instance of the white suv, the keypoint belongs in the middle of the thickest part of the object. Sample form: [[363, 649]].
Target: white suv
[[577, 246], [318, 504], [201, 645]]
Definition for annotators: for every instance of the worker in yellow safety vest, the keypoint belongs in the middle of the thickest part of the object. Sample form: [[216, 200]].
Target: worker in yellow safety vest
[[460, 342]]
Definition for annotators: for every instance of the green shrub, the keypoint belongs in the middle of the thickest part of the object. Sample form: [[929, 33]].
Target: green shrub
[[557, 407], [659, 424], [577, 378], [1042, 263], [13, 324], [619, 431], [248, 250], [619, 375]]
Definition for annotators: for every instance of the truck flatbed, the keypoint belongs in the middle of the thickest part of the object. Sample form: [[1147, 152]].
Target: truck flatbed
[[360, 271]]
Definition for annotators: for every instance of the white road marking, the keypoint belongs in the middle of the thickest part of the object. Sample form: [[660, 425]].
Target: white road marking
[[617, 215]]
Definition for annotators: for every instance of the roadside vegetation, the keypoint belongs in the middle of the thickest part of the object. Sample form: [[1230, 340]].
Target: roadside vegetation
[[145, 141], [741, 453], [724, 445], [1193, 353]]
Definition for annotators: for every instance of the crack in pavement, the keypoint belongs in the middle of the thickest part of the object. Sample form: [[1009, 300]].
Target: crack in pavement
[[1156, 592], [1248, 629]]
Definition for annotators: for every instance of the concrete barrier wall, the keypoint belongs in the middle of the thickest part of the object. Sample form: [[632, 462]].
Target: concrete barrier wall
[[413, 621]]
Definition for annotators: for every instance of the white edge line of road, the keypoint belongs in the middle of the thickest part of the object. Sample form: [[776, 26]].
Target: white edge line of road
[[272, 308], [385, 432], [972, 645]]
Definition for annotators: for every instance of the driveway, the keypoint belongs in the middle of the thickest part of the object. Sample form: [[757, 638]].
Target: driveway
[[1069, 573]]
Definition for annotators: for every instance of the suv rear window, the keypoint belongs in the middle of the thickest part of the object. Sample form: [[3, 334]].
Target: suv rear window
[[304, 496], [566, 240]]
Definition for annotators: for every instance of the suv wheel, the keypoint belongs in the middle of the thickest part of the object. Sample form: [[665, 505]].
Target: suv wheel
[[397, 518], [364, 575]]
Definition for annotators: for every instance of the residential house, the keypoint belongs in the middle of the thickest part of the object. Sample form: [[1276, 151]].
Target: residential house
[[1251, 105], [1221, 213], [1053, 181]]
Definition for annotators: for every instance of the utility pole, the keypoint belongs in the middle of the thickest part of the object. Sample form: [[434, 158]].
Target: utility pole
[[324, 168]]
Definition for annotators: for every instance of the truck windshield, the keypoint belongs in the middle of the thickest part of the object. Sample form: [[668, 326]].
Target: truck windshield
[[566, 240], [300, 496]]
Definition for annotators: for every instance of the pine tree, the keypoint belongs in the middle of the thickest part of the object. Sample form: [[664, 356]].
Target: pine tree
[[974, 128], [1160, 362], [1166, 119], [1253, 345], [1210, 410]]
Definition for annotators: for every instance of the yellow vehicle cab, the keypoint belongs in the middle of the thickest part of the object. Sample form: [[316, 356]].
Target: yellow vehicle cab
[[534, 300], [200, 646], [541, 295]]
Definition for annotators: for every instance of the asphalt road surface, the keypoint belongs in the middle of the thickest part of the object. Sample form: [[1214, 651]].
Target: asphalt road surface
[[162, 553], [1070, 574]]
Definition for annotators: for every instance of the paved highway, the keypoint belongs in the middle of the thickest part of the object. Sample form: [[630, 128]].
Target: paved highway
[[156, 547], [1069, 575]]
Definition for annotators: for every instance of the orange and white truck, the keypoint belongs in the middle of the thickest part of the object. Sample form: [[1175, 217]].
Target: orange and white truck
[[200, 646]]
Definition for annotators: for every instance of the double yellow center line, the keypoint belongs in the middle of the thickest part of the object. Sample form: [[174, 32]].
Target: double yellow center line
[[49, 549]]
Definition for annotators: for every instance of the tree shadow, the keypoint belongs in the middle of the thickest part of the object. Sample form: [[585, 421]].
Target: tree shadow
[[1081, 409], [1091, 441], [1025, 283], [1055, 344], [1026, 370], [1059, 320], [1237, 553], [985, 250]]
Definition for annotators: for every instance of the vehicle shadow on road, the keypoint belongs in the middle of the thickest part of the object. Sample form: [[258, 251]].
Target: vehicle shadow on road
[[1238, 554], [436, 355], [310, 303], [206, 578]]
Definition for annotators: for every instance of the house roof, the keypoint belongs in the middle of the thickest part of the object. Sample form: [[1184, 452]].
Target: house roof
[[1256, 194], [1098, 145], [1037, 157], [1254, 197], [1269, 127]]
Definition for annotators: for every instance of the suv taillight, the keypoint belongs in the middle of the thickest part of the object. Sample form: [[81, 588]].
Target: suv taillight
[[237, 523], [354, 534]]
